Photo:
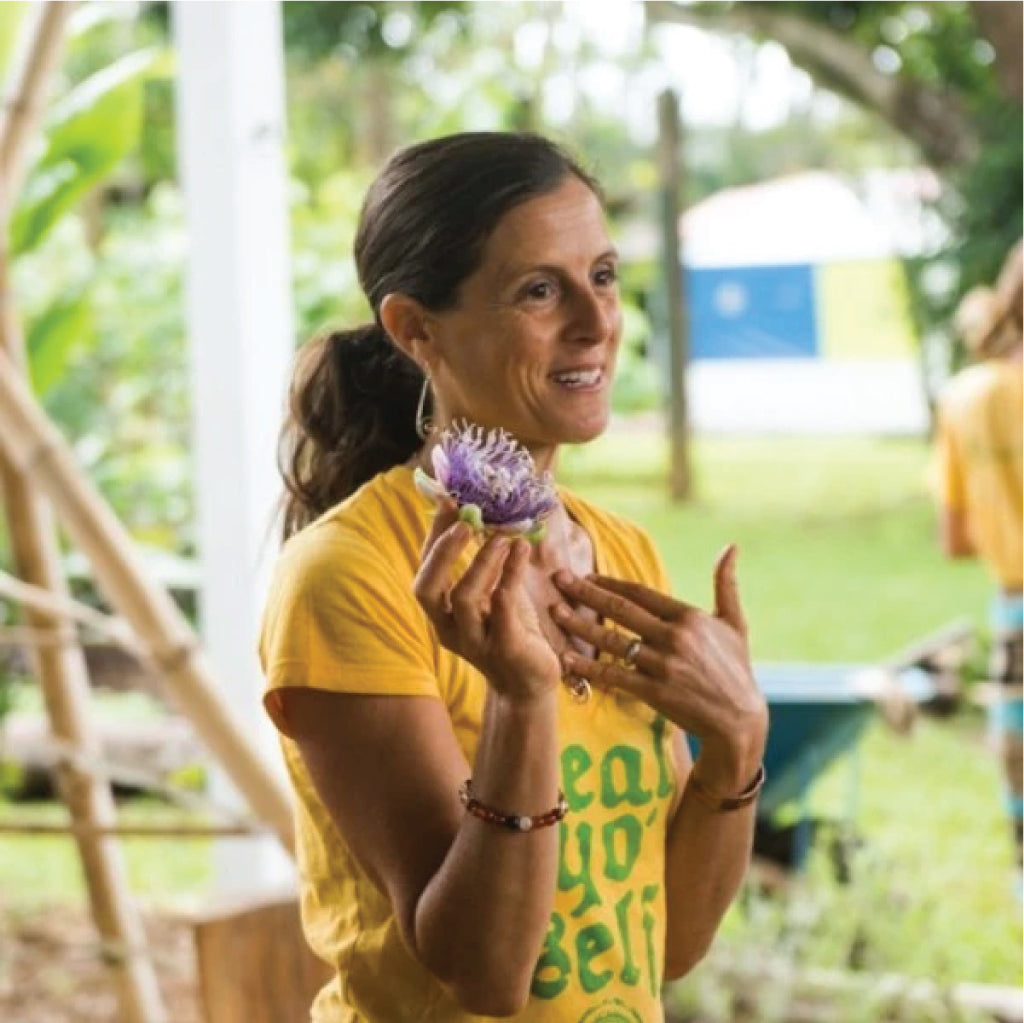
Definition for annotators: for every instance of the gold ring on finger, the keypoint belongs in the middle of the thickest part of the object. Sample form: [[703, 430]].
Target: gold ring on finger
[[631, 654]]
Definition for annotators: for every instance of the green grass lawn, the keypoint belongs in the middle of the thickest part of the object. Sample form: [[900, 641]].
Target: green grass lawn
[[43, 870], [837, 551]]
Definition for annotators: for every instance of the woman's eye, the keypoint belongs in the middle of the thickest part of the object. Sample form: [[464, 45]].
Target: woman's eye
[[539, 291], [606, 275]]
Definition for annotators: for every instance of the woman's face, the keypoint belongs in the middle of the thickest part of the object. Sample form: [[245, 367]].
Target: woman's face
[[531, 345]]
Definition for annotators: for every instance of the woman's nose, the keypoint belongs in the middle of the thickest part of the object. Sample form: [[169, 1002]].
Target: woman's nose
[[594, 316]]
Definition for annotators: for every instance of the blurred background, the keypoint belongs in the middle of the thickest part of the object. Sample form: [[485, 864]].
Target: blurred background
[[846, 172]]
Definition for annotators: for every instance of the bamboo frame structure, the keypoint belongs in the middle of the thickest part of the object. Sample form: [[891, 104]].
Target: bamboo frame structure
[[36, 464], [33, 446], [113, 630], [61, 669]]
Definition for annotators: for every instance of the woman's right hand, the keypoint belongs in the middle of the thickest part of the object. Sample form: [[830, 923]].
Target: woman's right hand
[[486, 616]]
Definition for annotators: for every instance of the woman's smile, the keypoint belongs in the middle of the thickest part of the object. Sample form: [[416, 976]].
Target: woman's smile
[[587, 379]]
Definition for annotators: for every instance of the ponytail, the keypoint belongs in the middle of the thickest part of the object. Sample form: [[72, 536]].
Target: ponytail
[[351, 413]]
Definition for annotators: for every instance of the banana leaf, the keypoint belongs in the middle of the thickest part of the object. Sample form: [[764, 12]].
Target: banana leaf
[[88, 133], [51, 337]]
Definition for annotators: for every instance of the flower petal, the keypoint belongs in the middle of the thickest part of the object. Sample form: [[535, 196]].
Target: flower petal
[[494, 472], [442, 468], [428, 486]]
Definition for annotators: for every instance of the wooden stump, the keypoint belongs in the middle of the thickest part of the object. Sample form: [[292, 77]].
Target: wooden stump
[[254, 965]]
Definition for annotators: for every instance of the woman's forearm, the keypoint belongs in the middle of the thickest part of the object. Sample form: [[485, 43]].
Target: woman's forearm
[[481, 920], [707, 855]]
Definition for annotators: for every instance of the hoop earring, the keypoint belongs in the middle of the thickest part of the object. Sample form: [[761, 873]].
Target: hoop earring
[[424, 424]]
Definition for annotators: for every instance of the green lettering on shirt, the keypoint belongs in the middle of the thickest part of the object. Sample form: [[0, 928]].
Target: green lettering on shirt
[[648, 895], [630, 973], [580, 835], [625, 789], [551, 974], [576, 761], [590, 943], [621, 838]]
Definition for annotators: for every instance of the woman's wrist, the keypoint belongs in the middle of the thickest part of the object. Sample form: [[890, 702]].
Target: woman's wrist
[[516, 764], [727, 766], [524, 696]]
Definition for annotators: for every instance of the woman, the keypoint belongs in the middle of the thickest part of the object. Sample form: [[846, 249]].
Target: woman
[[403, 657], [979, 471]]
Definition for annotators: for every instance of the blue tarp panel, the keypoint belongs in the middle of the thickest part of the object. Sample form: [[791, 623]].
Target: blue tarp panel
[[752, 312]]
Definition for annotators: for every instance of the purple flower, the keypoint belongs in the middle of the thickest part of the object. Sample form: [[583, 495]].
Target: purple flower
[[492, 478]]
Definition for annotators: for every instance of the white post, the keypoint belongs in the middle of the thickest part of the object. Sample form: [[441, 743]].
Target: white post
[[231, 126]]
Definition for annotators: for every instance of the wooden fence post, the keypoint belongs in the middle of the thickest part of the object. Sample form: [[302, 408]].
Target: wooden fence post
[[671, 171]]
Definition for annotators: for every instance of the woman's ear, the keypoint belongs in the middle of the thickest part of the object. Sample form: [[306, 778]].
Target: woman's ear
[[405, 321]]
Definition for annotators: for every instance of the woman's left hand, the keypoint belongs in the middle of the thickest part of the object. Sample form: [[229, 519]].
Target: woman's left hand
[[691, 666]]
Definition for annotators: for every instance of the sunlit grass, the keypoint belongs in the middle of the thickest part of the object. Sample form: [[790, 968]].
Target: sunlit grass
[[838, 558], [45, 870]]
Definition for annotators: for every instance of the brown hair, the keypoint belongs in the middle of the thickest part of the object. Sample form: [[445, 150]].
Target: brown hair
[[421, 233]]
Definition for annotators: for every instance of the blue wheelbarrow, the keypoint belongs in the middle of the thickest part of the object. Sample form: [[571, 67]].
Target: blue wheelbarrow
[[818, 712]]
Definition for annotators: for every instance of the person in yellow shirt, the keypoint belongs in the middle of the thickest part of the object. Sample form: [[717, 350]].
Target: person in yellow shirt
[[978, 450], [497, 811]]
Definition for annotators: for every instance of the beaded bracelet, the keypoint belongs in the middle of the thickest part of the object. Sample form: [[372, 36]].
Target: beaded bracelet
[[512, 821], [720, 803]]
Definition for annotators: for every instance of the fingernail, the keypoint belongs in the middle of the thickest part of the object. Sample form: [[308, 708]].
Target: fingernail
[[562, 577], [560, 611]]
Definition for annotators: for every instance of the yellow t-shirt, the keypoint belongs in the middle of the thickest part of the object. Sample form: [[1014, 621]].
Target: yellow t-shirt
[[342, 617], [979, 461]]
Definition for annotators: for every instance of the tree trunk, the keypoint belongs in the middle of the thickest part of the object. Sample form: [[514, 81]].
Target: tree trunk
[[1002, 25]]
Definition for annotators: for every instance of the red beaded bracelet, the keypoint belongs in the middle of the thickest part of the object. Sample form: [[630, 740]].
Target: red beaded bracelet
[[720, 803], [512, 821]]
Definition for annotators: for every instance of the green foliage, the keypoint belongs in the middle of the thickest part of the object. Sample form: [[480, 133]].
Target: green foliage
[[987, 217], [638, 387], [374, 31], [11, 17], [88, 133], [51, 337], [121, 392], [323, 273], [931, 43]]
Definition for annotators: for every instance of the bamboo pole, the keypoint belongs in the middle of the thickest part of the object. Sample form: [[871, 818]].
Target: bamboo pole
[[33, 445], [57, 606], [55, 751], [19, 636], [61, 670], [24, 102]]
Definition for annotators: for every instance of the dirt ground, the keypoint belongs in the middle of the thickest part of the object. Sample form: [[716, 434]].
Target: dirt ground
[[51, 970]]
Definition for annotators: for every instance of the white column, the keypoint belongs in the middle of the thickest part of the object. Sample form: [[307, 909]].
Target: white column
[[231, 127]]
